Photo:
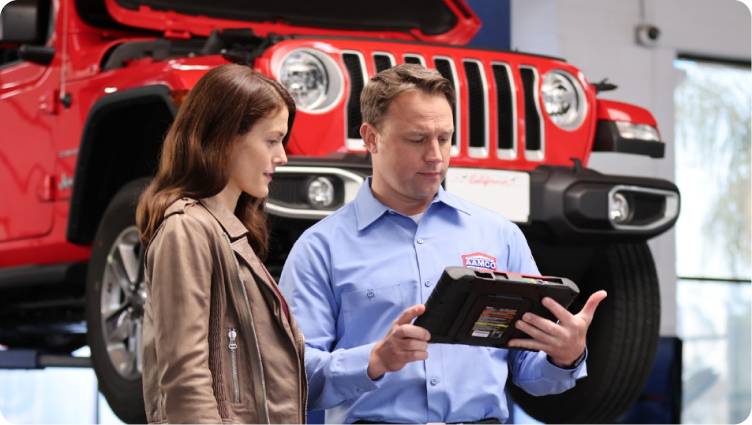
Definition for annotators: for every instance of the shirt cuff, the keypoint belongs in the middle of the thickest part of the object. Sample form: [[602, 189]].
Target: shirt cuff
[[552, 371], [351, 371]]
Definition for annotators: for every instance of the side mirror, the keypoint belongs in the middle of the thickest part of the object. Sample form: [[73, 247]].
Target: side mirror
[[41, 55], [19, 22]]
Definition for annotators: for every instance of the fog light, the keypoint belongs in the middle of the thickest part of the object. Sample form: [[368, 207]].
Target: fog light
[[321, 192], [634, 131], [618, 208]]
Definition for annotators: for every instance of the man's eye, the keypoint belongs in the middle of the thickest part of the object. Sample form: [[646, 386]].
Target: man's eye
[[416, 141]]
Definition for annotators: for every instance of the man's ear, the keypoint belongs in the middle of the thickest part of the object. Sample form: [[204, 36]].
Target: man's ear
[[369, 134]]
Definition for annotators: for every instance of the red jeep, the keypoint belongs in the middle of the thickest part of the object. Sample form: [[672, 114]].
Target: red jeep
[[88, 89]]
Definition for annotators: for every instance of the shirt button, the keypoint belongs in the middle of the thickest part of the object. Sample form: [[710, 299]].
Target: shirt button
[[420, 240], [370, 293], [434, 381], [427, 283], [361, 390]]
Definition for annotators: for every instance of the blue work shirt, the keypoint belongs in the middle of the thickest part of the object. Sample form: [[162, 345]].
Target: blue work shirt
[[353, 273]]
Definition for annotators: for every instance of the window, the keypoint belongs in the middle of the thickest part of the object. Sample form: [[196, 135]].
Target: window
[[713, 120]]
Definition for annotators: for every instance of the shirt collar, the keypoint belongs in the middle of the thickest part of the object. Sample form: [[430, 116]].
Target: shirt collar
[[368, 209], [232, 225], [450, 200]]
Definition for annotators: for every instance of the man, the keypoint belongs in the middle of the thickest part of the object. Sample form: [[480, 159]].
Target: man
[[357, 279]]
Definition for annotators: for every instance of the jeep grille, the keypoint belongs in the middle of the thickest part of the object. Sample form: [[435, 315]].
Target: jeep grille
[[476, 83]]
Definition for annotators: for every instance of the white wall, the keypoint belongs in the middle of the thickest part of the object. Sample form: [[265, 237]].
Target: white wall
[[598, 36]]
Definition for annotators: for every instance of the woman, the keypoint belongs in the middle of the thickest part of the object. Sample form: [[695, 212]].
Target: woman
[[219, 342]]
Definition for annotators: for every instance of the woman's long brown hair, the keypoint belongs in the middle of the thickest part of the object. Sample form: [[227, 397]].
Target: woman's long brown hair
[[223, 105]]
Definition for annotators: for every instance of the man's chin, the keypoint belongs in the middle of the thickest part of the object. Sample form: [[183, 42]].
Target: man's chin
[[427, 192]]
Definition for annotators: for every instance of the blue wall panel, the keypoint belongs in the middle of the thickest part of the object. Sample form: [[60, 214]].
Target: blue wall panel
[[496, 18]]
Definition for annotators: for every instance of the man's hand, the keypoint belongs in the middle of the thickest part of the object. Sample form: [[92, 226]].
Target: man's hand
[[404, 343], [564, 342]]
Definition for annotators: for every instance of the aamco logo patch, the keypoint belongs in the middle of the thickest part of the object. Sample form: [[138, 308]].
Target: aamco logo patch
[[479, 261]]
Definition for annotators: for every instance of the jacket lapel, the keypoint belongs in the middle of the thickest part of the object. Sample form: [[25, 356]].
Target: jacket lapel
[[239, 242]]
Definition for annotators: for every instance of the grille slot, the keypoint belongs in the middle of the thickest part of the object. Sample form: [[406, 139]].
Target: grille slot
[[382, 62], [418, 60], [446, 69], [354, 64], [504, 107], [533, 130], [477, 108]]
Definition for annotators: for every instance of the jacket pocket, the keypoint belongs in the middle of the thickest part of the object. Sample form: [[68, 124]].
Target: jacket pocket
[[233, 346]]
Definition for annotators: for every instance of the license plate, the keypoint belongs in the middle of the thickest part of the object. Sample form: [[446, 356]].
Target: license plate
[[506, 192]]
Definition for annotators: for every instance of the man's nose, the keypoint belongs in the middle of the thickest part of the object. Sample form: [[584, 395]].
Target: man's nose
[[433, 151]]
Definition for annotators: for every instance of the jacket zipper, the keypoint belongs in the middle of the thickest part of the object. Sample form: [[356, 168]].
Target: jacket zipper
[[253, 329], [234, 358], [253, 326]]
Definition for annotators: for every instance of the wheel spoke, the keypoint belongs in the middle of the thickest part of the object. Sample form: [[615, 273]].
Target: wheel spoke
[[140, 275], [120, 275], [121, 330], [108, 316], [130, 260], [138, 348]]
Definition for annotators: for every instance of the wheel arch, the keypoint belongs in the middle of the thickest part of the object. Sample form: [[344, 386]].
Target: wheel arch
[[113, 152]]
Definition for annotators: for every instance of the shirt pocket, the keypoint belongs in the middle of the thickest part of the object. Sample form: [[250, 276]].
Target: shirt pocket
[[369, 313]]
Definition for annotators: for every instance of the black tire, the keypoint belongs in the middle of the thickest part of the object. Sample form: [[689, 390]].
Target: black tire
[[622, 340], [121, 385]]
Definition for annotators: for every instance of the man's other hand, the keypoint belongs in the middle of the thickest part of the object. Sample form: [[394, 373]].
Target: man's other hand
[[404, 343], [565, 341]]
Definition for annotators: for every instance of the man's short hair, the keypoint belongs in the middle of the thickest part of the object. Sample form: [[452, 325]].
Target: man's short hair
[[385, 86]]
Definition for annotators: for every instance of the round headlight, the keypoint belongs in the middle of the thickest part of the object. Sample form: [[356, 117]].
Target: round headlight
[[321, 192], [305, 77], [564, 99], [618, 208]]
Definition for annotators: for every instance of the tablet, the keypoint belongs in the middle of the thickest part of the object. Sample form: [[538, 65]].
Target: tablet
[[477, 307]]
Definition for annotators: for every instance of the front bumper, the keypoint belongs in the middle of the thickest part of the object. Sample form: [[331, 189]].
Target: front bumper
[[577, 205], [566, 204]]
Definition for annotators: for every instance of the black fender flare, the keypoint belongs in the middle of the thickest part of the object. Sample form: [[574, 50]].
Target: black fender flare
[[97, 176]]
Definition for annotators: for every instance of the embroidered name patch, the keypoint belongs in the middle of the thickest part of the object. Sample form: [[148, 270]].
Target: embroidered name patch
[[479, 261]]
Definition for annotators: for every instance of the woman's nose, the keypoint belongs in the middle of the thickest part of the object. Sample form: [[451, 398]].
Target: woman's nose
[[281, 158]]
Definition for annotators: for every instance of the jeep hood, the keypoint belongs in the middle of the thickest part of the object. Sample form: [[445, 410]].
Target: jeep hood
[[444, 21]]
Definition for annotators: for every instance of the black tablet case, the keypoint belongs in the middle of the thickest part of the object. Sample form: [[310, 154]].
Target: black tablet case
[[476, 307]]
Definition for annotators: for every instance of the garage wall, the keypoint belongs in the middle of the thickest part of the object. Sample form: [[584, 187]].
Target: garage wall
[[497, 33], [598, 37]]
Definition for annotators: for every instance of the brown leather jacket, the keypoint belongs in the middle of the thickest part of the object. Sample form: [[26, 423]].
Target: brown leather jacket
[[196, 302]]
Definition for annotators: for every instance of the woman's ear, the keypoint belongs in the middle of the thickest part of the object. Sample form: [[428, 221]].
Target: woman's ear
[[369, 133]]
